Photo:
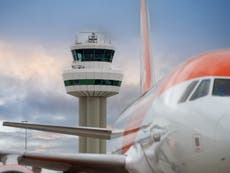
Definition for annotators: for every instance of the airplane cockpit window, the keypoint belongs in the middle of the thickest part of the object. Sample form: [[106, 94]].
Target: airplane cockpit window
[[221, 87], [188, 91], [202, 90]]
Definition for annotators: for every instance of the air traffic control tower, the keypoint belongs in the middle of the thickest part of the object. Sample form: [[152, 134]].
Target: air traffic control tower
[[92, 80]]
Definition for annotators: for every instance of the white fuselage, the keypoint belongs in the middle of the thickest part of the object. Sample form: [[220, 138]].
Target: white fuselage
[[188, 137]]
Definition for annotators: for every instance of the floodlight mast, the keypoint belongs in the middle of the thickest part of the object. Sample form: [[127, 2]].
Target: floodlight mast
[[92, 80]]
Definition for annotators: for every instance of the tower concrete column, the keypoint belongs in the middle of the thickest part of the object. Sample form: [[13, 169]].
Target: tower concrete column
[[93, 120], [103, 122], [92, 113], [82, 122]]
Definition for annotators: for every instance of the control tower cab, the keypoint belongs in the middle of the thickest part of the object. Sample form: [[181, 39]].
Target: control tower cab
[[91, 73], [92, 80]]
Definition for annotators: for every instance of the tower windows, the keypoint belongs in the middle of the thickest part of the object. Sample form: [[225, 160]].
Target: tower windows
[[92, 82], [79, 55], [104, 55]]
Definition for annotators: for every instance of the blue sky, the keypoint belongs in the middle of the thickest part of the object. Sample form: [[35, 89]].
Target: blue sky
[[59, 20], [35, 37], [186, 26], [189, 27]]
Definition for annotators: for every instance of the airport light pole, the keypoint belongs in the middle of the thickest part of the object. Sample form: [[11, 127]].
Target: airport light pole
[[26, 135]]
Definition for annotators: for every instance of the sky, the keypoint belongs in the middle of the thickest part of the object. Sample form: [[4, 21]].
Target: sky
[[35, 40]]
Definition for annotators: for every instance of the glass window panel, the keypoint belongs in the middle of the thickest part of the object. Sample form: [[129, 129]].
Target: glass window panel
[[74, 55], [79, 54], [99, 54], [202, 90], [188, 91], [112, 54], [88, 54], [93, 55], [97, 82], [75, 82], [108, 55], [87, 82], [92, 82], [221, 87], [108, 82]]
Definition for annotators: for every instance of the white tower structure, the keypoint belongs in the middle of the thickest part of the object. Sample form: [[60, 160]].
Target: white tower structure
[[92, 80]]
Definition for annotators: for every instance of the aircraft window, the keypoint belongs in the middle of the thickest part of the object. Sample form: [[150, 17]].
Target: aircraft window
[[202, 90], [188, 91], [221, 87]]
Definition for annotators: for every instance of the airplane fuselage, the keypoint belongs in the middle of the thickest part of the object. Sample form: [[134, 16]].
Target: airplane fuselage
[[184, 132]]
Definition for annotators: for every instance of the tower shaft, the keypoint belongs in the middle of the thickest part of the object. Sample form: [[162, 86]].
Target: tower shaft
[[92, 113]]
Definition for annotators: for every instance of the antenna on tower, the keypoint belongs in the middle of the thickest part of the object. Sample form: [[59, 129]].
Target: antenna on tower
[[92, 38], [95, 37]]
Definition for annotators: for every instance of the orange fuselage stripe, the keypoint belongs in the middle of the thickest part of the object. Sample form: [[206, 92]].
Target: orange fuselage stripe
[[208, 64]]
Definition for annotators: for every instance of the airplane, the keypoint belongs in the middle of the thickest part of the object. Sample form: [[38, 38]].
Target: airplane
[[177, 125]]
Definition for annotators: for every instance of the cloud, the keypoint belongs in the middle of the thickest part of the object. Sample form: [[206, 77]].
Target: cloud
[[127, 59], [38, 141], [31, 83], [28, 62], [45, 137]]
